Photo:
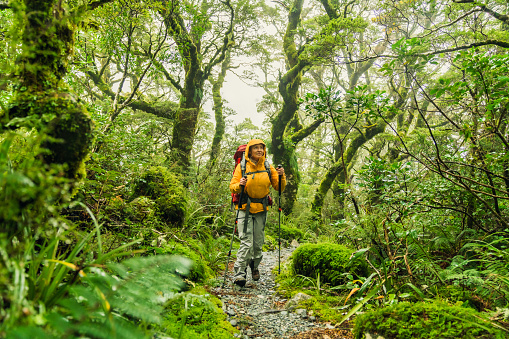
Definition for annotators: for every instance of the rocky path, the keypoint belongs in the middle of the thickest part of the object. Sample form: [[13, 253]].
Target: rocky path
[[259, 312]]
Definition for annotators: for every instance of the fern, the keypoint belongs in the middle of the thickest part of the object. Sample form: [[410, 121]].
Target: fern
[[104, 305]]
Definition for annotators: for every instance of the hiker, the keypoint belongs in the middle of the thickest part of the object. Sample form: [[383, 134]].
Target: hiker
[[256, 200]]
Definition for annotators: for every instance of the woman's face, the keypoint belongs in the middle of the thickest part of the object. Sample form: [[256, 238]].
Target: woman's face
[[257, 151]]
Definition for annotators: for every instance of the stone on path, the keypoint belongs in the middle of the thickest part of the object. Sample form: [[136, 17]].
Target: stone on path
[[302, 312], [297, 299]]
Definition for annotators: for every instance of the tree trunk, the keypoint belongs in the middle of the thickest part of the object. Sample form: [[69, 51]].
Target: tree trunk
[[218, 111], [282, 150], [337, 168], [48, 40], [196, 72]]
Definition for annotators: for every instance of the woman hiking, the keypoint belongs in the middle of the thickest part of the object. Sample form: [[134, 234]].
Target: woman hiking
[[254, 206]]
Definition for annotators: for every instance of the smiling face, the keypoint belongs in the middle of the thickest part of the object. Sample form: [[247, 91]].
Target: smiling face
[[256, 152]]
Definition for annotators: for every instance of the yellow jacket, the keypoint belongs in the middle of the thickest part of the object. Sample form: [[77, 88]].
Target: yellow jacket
[[258, 185]]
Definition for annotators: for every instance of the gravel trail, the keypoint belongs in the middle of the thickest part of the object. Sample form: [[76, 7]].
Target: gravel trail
[[258, 311]]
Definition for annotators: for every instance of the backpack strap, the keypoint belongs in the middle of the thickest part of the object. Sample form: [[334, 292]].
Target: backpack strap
[[248, 200], [267, 169]]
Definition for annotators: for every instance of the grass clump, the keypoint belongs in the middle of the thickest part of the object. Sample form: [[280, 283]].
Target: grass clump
[[270, 243], [424, 320], [331, 262], [288, 233], [326, 307]]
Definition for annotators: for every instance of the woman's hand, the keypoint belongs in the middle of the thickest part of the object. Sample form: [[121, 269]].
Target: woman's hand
[[243, 181], [280, 170]]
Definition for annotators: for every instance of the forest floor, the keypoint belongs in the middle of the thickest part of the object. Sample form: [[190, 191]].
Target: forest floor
[[258, 311]]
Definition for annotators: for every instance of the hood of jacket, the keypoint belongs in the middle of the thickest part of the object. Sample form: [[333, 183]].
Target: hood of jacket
[[256, 142]]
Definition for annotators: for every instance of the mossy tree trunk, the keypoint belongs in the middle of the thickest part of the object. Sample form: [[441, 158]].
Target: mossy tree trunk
[[339, 166], [42, 99], [218, 110], [189, 44], [287, 131]]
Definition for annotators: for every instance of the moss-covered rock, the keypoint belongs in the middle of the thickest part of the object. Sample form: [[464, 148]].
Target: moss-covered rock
[[199, 271], [330, 260], [196, 314], [455, 293], [140, 209], [166, 190], [424, 320]]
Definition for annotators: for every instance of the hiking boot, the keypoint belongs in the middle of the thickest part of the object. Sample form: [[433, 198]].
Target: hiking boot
[[255, 273], [241, 282]]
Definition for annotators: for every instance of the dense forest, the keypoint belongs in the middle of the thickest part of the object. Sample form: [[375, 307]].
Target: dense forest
[[389, 117]]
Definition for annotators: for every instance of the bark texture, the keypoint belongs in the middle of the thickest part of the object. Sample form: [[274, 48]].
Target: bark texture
[[42, 100]]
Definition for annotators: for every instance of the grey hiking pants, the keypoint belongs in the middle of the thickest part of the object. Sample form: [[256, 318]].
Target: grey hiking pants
[[251, 242]]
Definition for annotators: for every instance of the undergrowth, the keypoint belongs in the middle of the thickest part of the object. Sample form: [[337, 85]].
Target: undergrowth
[[196, 314], [425, 320]]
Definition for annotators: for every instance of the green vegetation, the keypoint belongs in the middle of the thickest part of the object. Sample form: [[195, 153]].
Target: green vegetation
[[425, 320], [328, 262], [195, 315], [200, 271], [165, 188], [391, 120]]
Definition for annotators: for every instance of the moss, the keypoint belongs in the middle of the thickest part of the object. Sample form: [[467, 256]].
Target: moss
[[66, 123], [71, 139], [290, 233], [332, 261], [196, 315], [454, 293], [140, 209], [166, 189], [424, 320], [200, 271], [115, 208], [326, 307], [270, 243]]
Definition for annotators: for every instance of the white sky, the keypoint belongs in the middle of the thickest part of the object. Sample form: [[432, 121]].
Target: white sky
[[242, 98]]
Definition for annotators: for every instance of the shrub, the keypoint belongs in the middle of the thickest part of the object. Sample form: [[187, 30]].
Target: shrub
[[166, 189], [424, 320], [199, 271], [454, 293], [290, 233], [330, 260]]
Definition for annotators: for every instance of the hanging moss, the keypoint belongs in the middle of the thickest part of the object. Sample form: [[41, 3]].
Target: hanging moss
[[332, 261], [166, 190], [424, 320]]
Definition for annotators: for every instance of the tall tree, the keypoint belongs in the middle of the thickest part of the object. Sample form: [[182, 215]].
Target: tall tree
[[188, 25], [287, 128]]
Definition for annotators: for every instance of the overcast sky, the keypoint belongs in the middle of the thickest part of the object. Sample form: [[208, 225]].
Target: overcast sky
[[241, 98]]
